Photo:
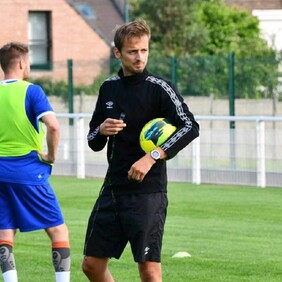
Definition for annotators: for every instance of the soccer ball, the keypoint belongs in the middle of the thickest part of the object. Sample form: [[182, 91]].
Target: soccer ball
[[155, 133]]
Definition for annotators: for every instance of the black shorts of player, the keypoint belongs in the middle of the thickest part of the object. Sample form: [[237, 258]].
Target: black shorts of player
[[118, 219]]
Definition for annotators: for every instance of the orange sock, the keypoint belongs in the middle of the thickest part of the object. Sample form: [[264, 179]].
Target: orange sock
[[3, 242], [61, 244]]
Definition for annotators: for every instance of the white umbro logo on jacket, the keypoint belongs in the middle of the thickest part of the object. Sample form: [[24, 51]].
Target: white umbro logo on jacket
[[110, 104]]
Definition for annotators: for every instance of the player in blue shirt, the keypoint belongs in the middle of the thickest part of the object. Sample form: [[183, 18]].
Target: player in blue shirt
[[27, 201]]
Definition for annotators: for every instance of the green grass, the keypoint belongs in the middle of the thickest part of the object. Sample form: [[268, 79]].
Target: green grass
[[232, 233]]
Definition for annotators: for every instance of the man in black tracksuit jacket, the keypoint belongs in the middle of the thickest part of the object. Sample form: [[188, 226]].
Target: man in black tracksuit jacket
[[131, 100], [141, 97]]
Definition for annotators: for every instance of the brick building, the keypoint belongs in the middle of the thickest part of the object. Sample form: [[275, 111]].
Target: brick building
[[103, 16], [55, 32], [256, 4]]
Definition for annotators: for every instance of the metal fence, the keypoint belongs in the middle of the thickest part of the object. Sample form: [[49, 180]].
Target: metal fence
[[247, 153], [220, 76]]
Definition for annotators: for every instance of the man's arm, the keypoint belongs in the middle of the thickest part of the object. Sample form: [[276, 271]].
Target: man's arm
[[141, 167], [52, 137]]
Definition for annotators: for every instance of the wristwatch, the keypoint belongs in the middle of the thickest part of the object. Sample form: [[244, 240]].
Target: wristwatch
[[155, 154]]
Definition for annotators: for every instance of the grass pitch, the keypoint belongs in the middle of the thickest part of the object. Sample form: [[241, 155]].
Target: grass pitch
[[232, 233]]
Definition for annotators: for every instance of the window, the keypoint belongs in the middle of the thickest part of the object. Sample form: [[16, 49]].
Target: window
[[86, 11], [39, 40]]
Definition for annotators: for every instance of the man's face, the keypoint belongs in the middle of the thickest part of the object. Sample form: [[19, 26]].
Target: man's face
[[134, 55]]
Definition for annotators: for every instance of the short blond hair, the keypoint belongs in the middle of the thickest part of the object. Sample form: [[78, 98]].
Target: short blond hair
[[10, 53], [137, 28]]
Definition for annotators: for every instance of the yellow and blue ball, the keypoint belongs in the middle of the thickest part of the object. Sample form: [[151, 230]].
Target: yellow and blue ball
[[155, 133]]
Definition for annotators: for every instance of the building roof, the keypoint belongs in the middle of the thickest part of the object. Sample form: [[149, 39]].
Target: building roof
[[102, 15]]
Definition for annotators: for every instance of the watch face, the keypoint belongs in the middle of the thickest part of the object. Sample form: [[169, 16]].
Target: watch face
[[155, 154]]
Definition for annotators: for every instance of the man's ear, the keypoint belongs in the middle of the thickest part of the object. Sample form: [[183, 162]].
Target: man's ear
[[21, 64], [117, 53]]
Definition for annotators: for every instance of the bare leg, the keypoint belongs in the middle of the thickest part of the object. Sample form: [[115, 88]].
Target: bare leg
[[58, 233], [7, 235], [96, 269], [150, 271]]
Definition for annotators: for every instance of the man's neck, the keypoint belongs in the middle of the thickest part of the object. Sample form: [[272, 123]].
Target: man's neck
[[13, 76]]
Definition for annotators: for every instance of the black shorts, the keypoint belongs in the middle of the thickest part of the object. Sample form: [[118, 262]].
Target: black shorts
[[118, 219]]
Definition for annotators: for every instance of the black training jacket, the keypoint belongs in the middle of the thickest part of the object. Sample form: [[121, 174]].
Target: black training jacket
[[141, 97]]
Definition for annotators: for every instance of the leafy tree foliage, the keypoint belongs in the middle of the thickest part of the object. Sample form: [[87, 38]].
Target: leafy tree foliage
[[230, 30], [175, 29], [201, 34], [196, 27]]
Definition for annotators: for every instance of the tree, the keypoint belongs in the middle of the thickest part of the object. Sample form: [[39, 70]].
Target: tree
[[201, 34], [196, 27], [230, 29], [235, 30], [175, 29]]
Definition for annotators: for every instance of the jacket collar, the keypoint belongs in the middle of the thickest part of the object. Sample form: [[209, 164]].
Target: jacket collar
[[133, 79]]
